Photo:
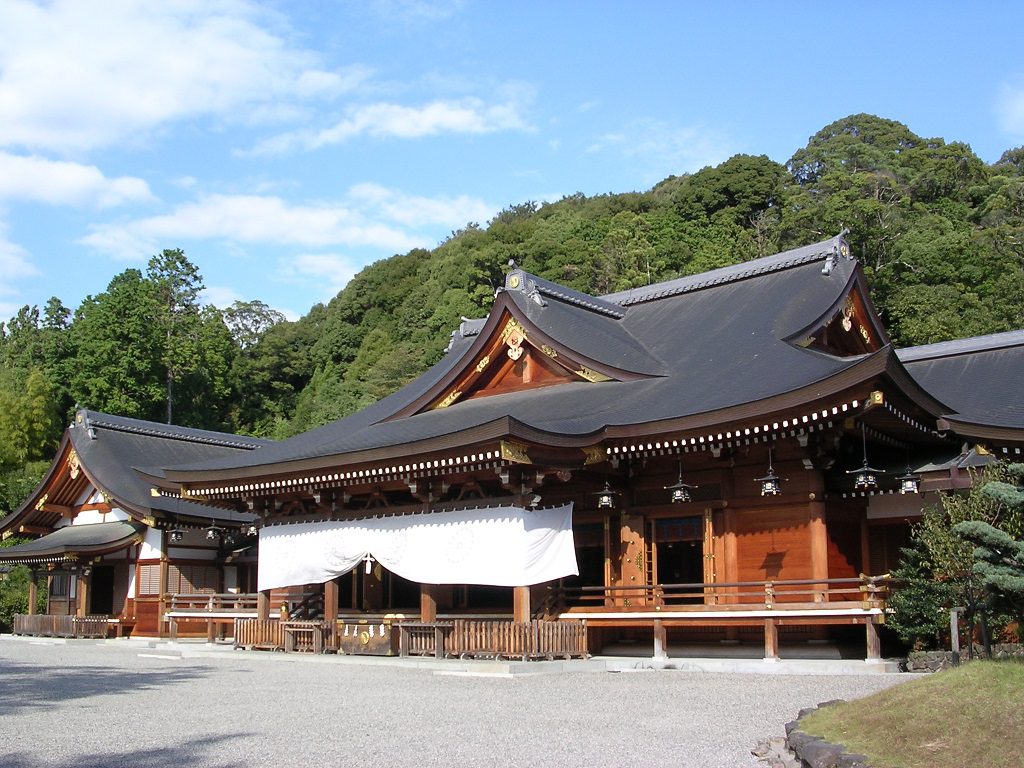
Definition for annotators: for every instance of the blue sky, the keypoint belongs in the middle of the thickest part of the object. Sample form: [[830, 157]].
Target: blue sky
[[284, 146]]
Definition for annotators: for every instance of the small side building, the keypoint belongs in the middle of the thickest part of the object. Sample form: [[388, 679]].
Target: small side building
[[105, 547]]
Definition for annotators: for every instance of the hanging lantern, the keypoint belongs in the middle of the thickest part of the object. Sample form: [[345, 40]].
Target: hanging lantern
[[605, 497], [909, 482], [771, 484], [680, 490], [177, 535], [214, 532], [865, 477]]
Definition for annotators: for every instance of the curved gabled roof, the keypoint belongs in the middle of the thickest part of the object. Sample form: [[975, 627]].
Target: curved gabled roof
[[82, 540], [106, 449], [978, 378], [697, 345]]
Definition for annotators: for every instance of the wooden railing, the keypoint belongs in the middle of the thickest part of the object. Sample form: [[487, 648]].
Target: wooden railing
[[871, 591], [259, 634], [219, 611], [494, 639], [200, 604], [44, 625]]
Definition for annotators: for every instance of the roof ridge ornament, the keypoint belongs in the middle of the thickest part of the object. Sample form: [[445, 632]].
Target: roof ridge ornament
[[840, 249]]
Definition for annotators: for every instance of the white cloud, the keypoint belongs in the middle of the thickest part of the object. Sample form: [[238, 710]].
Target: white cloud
[[386, 120], [412, 210], [369, 216], [329, 272], [56, 182], [77, 76], [659, 148], [14, 265], [1010, 108], [219, 296]]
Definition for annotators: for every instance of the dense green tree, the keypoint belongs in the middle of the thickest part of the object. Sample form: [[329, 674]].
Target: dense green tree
[[941, 554], [118, 350], [177, 284], [249, 321]]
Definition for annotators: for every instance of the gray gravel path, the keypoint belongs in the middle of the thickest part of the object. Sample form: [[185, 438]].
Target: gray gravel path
[[93, 706]]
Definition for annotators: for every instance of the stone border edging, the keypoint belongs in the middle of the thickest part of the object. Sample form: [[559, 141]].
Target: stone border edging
[[814, 751]]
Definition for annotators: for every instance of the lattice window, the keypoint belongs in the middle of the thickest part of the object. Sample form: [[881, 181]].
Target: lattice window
[[149, 579], [60, 585], [192, 579]]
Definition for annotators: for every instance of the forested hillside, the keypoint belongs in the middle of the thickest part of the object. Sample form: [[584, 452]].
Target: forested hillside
[[941, 235]]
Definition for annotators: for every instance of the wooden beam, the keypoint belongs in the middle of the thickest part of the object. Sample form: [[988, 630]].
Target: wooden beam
[[36, 529], [263, 605], [62, 509]]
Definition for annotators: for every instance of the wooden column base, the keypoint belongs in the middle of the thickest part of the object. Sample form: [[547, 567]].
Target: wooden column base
[[771, 640], [660, 640], [874, 642]]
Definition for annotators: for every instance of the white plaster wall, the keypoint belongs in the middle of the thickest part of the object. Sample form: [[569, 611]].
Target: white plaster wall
[[152, 545]]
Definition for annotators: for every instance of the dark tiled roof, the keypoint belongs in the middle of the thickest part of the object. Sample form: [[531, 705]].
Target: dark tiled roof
[[700, 348], [979, 378], [527, 284], [109, 445], [80, 539], [830, 250]]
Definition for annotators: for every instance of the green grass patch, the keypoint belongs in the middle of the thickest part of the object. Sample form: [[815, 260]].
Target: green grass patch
[[969, 716]]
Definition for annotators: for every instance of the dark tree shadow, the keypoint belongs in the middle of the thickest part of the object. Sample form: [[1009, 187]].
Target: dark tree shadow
[[24, 687], [189, 753]]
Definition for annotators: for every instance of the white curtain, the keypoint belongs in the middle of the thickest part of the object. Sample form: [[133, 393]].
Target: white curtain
[[501, 546]]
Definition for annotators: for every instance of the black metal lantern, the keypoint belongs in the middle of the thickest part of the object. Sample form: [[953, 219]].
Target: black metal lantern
[[680, 490], [214, 532], [606, 497], [865, 477], [909, 482], [177, 534], [771, 484]]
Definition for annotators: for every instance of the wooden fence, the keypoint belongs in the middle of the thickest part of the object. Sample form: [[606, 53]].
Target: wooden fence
[[494, 639], [259, 634], [459, 638], [44, 625]]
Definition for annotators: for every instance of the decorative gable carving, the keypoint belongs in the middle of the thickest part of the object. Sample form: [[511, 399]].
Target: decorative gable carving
[[513, 361], [850, 328]]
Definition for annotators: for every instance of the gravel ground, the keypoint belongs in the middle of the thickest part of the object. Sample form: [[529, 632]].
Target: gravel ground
[[93, 706]]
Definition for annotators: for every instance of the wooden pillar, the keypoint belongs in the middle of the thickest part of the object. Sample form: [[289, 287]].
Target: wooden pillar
[[771, 640], [660, 640], [33, 592], [331, 609], [82, 605], [521, 605], [819, 546], [730, 553], [874, 642], [263, 605], [164, 578], [865, 548], [428, 602]]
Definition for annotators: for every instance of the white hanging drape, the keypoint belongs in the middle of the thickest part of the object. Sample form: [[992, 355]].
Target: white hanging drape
[[500, 546]]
